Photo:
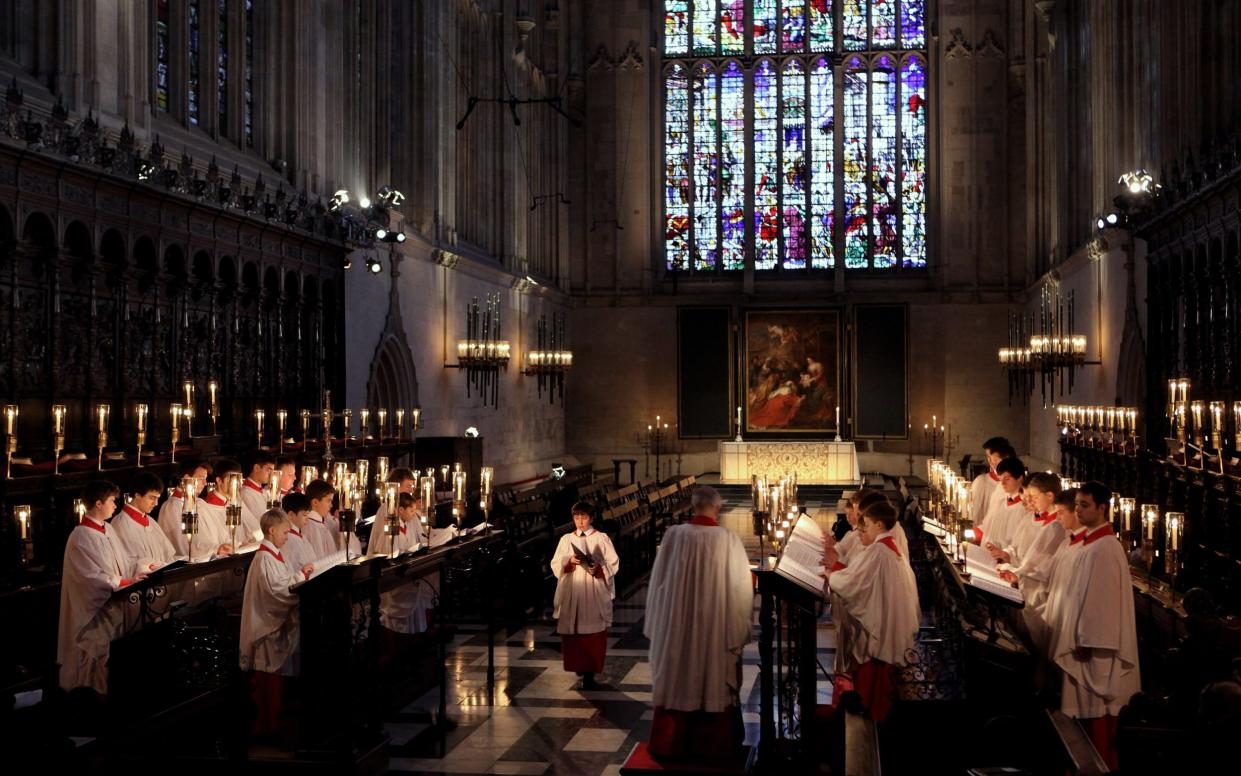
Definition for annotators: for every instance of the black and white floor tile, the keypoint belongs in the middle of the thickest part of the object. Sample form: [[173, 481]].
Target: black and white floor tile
[[541, 724]]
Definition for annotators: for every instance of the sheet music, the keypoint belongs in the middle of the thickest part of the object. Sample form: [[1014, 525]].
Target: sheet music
[[981, 568], [442, 536], [588, 560], [802, 559], [475, 529], [323, 564]]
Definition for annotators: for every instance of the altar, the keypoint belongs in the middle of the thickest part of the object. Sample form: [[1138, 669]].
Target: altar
[[817, 462]]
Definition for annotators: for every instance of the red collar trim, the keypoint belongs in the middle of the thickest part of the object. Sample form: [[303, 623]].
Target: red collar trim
[[278, 556], [137, 516], [216, 500], [702, 520], [252, 485], [1045, 517], [890, 543], [1012, 500], [1077, 538], [178, 494], [404, 529], [1098, 533], [295, 532], [993, 476], [89, 522]]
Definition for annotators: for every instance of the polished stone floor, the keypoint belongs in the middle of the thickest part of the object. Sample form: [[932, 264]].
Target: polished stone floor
[[539, 724]]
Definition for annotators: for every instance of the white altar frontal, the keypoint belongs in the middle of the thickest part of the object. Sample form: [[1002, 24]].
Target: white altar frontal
[[817, 462]]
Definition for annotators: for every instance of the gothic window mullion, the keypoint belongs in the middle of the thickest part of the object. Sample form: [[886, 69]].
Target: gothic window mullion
[[781, 248], [898, 162], [691, 168]]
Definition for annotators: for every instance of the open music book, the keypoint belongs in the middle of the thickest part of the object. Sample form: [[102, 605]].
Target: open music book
[[802, 560], [588, 560], [981, 568], [323, 564]]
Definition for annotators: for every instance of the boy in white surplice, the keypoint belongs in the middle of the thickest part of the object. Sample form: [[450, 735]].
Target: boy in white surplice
[[585, 565]]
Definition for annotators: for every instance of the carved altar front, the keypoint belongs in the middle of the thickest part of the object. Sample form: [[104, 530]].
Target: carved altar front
[[815, 462]]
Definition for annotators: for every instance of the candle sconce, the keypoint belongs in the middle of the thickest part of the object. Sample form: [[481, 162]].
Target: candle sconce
[[58, 435], [459, 505], [934, 434], [655, 443], [141, 411], [393, 526], [174, 412], [10, 438], [22, 514], [381, 416], [552, 360], [214, 408], [347, 420], [189, 511], [1050, 355], [282, 419], [483, 352], [1174, 529], [364, 424], [102, 411]]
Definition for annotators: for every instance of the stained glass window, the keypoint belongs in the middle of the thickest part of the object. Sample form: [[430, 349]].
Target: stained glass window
[[248, 102], [732, 167], [676, 167], [757, 160], [766, 169], [192, 92], [163, 58], [221, 77], [705, 247]]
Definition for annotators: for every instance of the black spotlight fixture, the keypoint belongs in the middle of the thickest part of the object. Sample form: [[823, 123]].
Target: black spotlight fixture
[[389, 235], [373, 266], [388, 197]]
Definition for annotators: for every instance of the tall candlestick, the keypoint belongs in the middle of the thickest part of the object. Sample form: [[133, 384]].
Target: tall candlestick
[[382, 415], [364, 418], [400, 423], [259, 415], [415, 418], [427, 486], [309, 474], [212, 387], [10, 418], [189, 393], [58, 419]]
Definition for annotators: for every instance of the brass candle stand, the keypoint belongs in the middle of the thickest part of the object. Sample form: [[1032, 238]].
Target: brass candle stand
[[10, 438], [58, 435]]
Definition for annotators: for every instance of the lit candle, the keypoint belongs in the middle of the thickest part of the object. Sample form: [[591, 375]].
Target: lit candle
[[1150, 519], [400, 422], [259, 415], [738, 417], [58, 419], [233, 488], [1183, 387], [364, 418], [102, 411], [79, 508], [140, 411], [1133, 421], [1217, 417], [382, 415], [10, 418], [212, 387], [415, 418], [305, 423], [1126, 511], [1196, 408], [23, 517], [364, 469], [282, 417], [390, 500], [381, 469], [485, 476], [837, 416], [309, 473], [458, 486], [1173, 528], [189, 393], [428, 495]]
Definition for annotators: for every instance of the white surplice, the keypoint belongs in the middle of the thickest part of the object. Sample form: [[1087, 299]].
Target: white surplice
[[92, 572], [253, 503], [1035, 544], [1097, 612], [583, 602], [404, 609], [333, 525], [1002, 522], [699, 607], [381, 544], [213, 528], [984, 492], [144, 547], [1044, 596], [881, 596], [269, 620], [297, 552], [320, 535], [849, 544], [170, 522]]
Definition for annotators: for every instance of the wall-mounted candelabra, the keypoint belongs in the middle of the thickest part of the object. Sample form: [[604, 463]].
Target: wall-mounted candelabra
[[1043, 348], [552, 360], [1105, 428], [483, 352]]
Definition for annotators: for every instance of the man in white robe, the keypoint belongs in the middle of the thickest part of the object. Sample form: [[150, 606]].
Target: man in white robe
[[877, 593], [298, 554], [1059, 569], [248, 533], [699, 607], [985, 489], [254, 489], [585, 588], [1094, 636], [93, 571], [214, 539], [144, 546], [269, 621]]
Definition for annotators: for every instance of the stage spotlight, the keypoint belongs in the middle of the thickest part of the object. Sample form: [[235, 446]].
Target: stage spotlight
[[400, 237], [340, 198], [381, 234], [390, 197], [373, 266], [364, 203], [1101, 224], [1112, 219]]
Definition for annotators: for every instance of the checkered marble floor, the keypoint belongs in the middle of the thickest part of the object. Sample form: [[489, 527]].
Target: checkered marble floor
[[539, 724]]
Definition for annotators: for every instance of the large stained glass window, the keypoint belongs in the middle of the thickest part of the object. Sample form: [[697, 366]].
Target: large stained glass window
[[221, 67], [757, 159], [193, 92], [163, 57]]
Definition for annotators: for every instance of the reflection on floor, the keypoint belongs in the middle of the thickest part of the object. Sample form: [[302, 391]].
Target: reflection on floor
[[539, 723]]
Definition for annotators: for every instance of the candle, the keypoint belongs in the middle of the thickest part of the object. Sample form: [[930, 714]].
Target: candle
[[79, 508], [400, 422], [428, 495], [1172, 391], [305, 423], [390, 499], [23, 517], [1173, 528], [212, 387], [1126, 511], [486, 475], [458, 486], [415, 418], [382, 415], [1217, 417], [140, 411], [1133, 421], [1196, 408], [738, 417], [232, 487], [1150, 519], [364, 469], [189, 393], [340, 472], [282, 416], [1183, 387], [10, 418], [364, 417], [348, 422], [189, 495], [259, 415], [58, 419], [837, 416], [381, 469], [309, 473]]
